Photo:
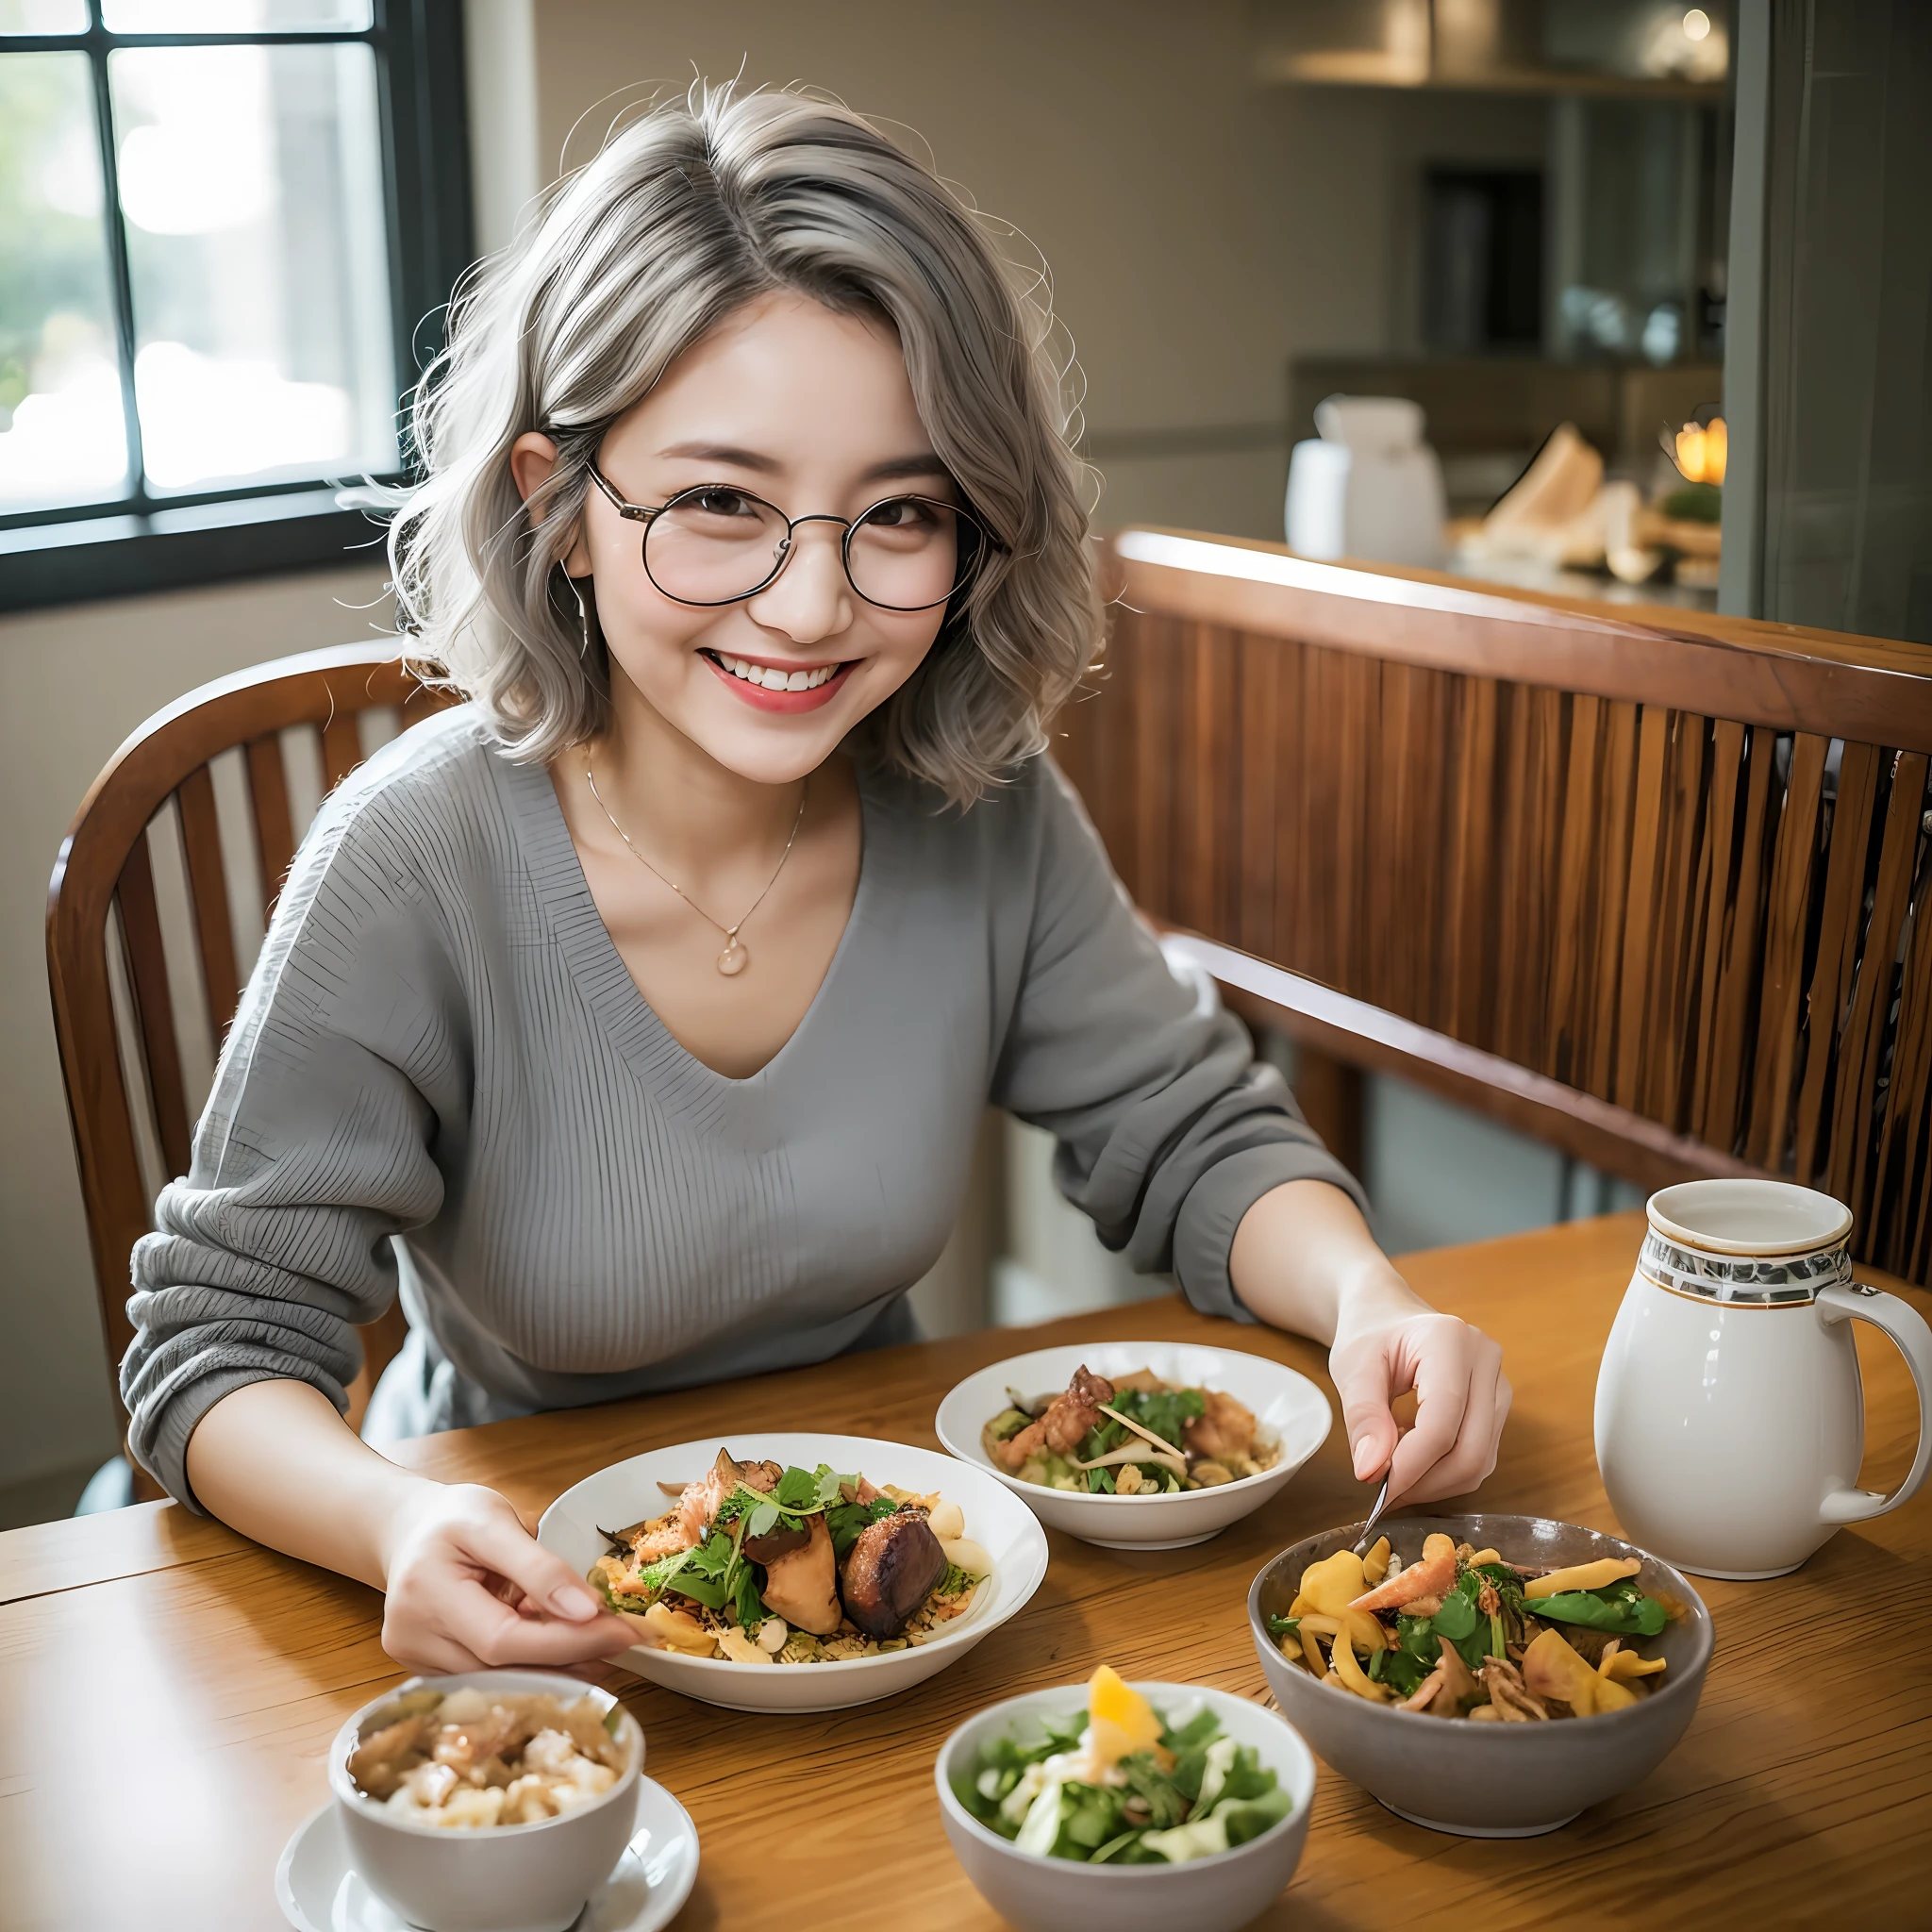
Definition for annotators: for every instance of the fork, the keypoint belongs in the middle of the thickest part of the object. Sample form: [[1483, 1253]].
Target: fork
[[1361, 1543]]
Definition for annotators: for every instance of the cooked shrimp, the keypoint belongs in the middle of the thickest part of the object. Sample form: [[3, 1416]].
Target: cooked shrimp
[[1063, 1426]]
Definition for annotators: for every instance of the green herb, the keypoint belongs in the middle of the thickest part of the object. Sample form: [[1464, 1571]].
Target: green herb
[[847, 1520], [1456, 1618], [832, 1486], [798, 1489], [1403, 1671], [954, 1581], [1202, 1728], [748, 1603], [1376, 1666], [1620, 1609], [1165, 1800], [1281, 1627], [1113, 1845], [1166, 1413], [1100, 1482]]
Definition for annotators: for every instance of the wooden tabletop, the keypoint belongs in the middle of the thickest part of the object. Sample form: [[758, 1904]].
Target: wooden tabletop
[[167, 1690]]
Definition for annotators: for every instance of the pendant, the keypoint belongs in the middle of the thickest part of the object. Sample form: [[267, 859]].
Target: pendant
[[733, 960]]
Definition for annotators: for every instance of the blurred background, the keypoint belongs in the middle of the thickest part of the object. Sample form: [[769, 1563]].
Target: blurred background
[[227, 229]]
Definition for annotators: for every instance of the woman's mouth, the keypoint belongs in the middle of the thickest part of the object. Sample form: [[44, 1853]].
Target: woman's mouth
[[770, 686]]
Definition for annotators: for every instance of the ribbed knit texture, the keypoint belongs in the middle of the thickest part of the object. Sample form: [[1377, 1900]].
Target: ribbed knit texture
[[444, 1078]]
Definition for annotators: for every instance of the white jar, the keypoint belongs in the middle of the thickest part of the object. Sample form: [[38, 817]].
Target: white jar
[[1730, 1416]]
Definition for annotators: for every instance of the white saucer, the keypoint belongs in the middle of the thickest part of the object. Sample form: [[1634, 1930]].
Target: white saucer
[[319, 1891]]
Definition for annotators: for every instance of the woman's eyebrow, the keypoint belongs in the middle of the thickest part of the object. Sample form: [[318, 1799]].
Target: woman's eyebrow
[[923, 463], [725, 453], [896, 468]]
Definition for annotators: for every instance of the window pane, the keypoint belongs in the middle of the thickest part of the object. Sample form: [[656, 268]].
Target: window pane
[[230, 16], [61, 435], [43, 16], [251, 181]]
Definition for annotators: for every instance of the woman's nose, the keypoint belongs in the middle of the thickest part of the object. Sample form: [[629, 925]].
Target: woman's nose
[[811, 598]]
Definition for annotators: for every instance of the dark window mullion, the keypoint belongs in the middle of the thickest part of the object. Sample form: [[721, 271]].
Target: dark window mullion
[[117, 252]]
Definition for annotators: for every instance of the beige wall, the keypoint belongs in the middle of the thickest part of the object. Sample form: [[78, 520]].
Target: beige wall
[[1121, 137], [73, 683]]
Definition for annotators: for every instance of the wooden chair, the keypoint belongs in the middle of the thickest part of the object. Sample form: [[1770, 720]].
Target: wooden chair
[[1651, 886], [159, 903]]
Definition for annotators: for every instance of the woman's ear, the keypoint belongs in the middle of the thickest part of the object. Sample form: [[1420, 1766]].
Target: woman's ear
[[532, 457]]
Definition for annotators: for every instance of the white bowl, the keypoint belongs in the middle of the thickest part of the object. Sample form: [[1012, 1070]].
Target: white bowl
[[1287, 1406], [1212, 1894], [495, 1878], [628, 1492]]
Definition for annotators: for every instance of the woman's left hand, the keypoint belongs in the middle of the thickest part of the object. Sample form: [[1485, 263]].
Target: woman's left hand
[[1388, 1342]]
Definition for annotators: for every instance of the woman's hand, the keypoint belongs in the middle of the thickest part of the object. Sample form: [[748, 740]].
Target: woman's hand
[[1303, 1258], [469, 1587], [1388, 1341]]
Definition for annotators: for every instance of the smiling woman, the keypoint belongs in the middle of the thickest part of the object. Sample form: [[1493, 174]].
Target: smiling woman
[[752, 531]]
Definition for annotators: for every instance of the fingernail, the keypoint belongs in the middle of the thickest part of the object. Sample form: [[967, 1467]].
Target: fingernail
[[573, 1601]]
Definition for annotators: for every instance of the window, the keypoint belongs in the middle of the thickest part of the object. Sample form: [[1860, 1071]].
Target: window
[[226, 231]]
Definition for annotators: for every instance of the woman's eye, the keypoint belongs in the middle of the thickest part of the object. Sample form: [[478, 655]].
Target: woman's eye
[[722, 503], [902, 513]]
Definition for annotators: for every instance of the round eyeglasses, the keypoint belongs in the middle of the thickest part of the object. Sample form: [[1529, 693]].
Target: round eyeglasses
[[716, 544]]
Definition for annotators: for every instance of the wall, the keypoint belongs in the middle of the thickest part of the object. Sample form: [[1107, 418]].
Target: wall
[[1121, 137], [73, 683]]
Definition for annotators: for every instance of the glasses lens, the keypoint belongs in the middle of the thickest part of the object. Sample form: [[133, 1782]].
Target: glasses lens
[[906, 554], [713, 545]]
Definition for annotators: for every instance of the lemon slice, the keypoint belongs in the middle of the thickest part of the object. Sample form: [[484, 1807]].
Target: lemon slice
[[1118, 1720]]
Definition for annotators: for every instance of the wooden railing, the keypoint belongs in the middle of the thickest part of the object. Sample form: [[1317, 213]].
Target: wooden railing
[[1644, 885]]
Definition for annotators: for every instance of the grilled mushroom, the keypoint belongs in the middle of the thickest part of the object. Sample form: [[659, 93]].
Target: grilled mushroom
[[890, 1572], [801, 1582]]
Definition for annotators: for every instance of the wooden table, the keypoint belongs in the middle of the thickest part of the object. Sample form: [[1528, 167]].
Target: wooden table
[[167, 1690]]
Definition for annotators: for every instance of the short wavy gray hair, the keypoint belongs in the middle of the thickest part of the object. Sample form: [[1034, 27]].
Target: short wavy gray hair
[[692, 210]]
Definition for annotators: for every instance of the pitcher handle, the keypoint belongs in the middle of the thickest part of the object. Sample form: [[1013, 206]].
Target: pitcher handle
[[1908, 1329]]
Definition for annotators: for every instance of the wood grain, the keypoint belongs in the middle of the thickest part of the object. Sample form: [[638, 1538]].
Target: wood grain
[[104, 862], [1585, 847], [1799, 1796]]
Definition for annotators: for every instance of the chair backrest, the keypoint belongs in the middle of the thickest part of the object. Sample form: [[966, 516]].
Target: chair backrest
[[157, 907], [1653, 886]]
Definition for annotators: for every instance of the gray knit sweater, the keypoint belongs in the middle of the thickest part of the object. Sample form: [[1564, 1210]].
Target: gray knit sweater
[[443, 1080]]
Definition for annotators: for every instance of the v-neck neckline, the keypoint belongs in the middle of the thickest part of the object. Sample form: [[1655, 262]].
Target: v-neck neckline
[[635, 1026]]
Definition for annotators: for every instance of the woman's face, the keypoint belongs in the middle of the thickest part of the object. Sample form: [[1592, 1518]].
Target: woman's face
[[811, 411]]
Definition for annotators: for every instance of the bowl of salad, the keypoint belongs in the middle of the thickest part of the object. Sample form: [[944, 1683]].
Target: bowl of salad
[[1486, 1676], [1137, 1445], [1140, 1808], [793, 1572]]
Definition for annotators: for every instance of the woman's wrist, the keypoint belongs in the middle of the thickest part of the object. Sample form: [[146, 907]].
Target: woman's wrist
[[1374, 1294]]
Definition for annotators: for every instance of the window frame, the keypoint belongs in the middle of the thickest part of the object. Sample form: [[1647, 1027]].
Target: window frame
[[77, 553]]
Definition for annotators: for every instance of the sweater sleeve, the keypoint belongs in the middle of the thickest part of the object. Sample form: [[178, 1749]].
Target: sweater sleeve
[[314, 1149], [1168, 1128]]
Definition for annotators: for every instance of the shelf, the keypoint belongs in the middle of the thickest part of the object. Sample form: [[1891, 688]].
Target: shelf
[[1375, 69]]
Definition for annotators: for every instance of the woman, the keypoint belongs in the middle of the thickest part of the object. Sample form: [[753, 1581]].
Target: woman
[[634, 1021]]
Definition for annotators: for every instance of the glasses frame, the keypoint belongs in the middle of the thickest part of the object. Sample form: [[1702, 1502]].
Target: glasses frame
[[648, 514]]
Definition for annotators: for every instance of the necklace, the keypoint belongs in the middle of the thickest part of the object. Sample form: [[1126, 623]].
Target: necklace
[[734, 959]]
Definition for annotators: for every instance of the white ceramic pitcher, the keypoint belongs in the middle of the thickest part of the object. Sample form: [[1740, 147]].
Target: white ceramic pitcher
[[1730, 1418]]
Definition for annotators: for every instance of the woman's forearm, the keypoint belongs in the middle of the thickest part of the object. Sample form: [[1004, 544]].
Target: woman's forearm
[[276, 1461], [1303, 1251]]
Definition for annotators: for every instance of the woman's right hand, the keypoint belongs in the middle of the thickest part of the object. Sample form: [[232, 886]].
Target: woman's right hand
[[470, 1589]]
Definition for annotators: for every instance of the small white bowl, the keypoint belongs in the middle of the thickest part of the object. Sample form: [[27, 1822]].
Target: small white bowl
[[628, 1492], [1286, 1406], [495, 1878], [1212, 1894]]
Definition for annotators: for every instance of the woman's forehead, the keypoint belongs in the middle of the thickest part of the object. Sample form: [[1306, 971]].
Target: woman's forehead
[[784, 387]]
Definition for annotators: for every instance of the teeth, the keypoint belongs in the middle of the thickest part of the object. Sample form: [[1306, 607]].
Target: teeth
[[769, 677]]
